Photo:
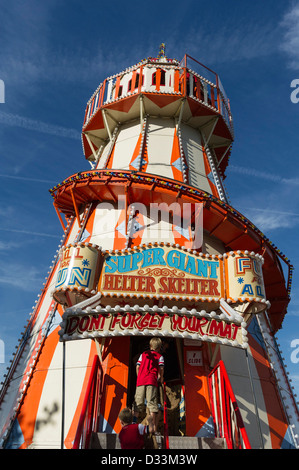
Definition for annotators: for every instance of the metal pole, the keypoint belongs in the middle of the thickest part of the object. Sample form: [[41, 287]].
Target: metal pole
[[254, 400], [63, 396]]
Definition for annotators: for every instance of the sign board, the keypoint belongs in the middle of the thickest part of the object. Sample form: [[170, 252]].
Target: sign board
[[174, 273], [244, 277], [78, 273], [163, 272], [194, 358], [207, 285], [175, 325]]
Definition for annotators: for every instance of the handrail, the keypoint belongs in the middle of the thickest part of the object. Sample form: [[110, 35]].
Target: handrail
[[88, 421], [227, 418], [203, 85], [165, 419]]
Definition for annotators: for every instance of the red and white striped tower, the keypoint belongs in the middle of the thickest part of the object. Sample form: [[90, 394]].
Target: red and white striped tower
[[152, 247]]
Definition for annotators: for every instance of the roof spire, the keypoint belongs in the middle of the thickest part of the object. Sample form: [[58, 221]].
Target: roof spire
[[162, 51]]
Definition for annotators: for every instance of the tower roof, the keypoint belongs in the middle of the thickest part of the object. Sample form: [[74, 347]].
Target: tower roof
[[163, 85]]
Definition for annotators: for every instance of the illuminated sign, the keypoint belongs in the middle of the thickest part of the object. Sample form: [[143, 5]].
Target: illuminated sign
[[163, 271], [207, 297], [174, 273], [78, 273], [244, 277], [175, 325]]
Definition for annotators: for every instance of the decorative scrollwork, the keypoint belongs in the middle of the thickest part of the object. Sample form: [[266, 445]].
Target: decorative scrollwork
[[161, 272]]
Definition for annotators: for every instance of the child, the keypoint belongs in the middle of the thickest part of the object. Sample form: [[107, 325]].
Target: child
[[131, 435], [149, 370]]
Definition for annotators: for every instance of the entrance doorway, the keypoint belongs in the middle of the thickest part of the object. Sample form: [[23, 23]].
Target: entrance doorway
[[172, 351]]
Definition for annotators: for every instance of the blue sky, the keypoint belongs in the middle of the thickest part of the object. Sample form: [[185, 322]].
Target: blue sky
[[53, 55]]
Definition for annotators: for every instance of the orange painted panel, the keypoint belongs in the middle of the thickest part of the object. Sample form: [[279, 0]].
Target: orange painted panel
[[29, 408], [135, 154], [124, 104], [69, 440], [119, 241], [276, 417], [197, 400], [162, 100], [175, 156], [110, 159], [116, 370], [96, 122]]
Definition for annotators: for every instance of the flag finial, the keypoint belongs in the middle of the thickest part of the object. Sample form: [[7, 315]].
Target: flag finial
[[162, 50]]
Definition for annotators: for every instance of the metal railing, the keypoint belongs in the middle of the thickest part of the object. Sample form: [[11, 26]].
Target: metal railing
[[88, 421], [227, 418], [201, 84], [165, 419]]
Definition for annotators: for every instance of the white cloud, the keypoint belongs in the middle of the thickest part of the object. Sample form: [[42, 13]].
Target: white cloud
[[246, 41], [263, 175], [293, 309], [290, 43], [5, 246], [272, 216], [30, 232], [271, 220], [38, 126], [22, 37], [25, 178], [30, 53], [25, 278]]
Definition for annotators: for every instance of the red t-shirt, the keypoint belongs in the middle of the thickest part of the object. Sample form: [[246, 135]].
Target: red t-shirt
[[149, 363], [131, 436]]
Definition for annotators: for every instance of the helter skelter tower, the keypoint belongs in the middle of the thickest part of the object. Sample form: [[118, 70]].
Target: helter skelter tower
[[152, 247]]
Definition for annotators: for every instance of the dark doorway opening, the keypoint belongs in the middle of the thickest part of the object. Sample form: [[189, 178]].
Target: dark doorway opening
[[172, 350]]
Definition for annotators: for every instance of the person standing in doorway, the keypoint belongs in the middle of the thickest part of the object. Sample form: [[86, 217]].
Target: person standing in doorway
[[149, 371]]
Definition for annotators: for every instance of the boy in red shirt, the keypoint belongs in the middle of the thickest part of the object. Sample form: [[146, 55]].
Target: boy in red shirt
[[149, 370], [131, 435]]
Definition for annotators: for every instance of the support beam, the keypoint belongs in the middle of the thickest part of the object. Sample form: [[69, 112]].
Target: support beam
[[214, 356], [59, 216], [141, 112], [106, 124], [181, 114], [207, 139], [110, 192], [218, 225], [75, 207], [228, 148], [63, 397], [111, 117], [100, 347], [213, 166], [126, 209], [91, 146]]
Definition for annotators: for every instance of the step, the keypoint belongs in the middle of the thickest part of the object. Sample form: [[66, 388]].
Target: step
[[111, 441], [101, 440], [184, 442]]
